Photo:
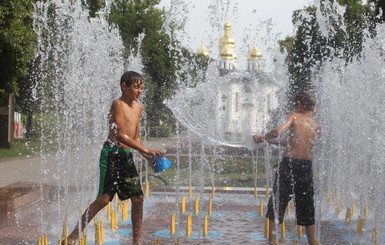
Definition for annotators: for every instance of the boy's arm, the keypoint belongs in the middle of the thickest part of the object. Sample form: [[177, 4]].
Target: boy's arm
[[276, 141], [275, 132], [148, 155], [123, 135]]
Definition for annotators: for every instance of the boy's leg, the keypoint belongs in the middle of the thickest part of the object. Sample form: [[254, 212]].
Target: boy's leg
[[310, 232], [277, 204], [99, 203], [137, 218]]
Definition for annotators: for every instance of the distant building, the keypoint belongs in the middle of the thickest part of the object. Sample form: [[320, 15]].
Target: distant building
[[243, 101]]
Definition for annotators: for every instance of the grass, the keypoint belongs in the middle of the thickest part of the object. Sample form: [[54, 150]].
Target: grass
[[230, 171], [20, 148], [235, 171]]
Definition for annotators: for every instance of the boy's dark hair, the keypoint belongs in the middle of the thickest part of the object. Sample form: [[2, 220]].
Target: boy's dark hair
[[306, 99], [130, 76]]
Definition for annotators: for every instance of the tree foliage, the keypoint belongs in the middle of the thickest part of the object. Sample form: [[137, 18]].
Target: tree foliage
[[93, 6], [17, 43], [324, 34], [379, 8], [141, 25]]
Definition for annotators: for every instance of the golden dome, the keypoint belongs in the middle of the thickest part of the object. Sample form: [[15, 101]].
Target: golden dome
[[226, 39], [227, 53], [202, 50], [254, 53], [227, 25]]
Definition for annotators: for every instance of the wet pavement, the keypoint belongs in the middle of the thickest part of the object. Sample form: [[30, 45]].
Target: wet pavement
[[26, 204], [235, 219]]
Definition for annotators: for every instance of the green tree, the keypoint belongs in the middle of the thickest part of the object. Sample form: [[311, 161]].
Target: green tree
[[339, 36], [195, 68], [93, 6], [141, 25], [17, 43], [379, 8]]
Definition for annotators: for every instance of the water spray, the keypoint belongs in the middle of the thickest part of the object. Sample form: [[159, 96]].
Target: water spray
[[190, 192]]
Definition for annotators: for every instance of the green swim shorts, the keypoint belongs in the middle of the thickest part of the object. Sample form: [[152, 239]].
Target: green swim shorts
[[118, 173]]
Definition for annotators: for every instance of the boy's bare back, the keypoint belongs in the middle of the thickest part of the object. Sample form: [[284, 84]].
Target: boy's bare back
[[303, 129]]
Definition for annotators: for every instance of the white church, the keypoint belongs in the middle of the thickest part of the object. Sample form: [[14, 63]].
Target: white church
[[235, 104]]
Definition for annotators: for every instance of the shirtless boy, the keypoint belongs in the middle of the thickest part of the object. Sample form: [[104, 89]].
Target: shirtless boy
[[118, 173], [294, 174]]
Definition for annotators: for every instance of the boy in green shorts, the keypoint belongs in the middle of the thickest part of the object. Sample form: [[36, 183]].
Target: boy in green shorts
[[118, 174]]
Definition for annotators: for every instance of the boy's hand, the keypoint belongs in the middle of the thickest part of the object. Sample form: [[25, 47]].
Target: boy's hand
[[258, 138], [150, 154]]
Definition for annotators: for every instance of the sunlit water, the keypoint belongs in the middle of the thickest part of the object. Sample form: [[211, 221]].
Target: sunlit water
[[81, 65], [350, 154], [87, 67], [228, 110]]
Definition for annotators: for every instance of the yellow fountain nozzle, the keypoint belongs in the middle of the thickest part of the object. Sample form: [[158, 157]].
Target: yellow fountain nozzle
[[283, 230], [288, 209], [267, 225], [260, 208], [299, 231], [196, 205], [210, 209], [147, 189], [190, 191], [348, 216], [172, 227], [183, 205], [205, 226], [189, 225]]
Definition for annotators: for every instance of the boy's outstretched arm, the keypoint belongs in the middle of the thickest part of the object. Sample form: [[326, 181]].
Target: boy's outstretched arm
[[123, 136], [278, 141], [275, 132]]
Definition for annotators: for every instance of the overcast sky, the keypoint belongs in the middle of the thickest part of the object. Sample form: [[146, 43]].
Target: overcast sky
[[259, 22]]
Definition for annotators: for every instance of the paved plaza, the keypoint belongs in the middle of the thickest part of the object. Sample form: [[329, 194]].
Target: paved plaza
[[235, 217]]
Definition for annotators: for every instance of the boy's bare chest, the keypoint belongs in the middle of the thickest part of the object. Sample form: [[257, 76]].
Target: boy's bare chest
[[131, 117]]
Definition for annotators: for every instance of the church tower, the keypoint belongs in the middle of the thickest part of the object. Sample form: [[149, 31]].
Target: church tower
[[254, 59], [227, 61], [202, 50]]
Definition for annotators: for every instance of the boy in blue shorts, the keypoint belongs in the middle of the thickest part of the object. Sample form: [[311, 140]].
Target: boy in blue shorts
[[294, 174], [118, 174]]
